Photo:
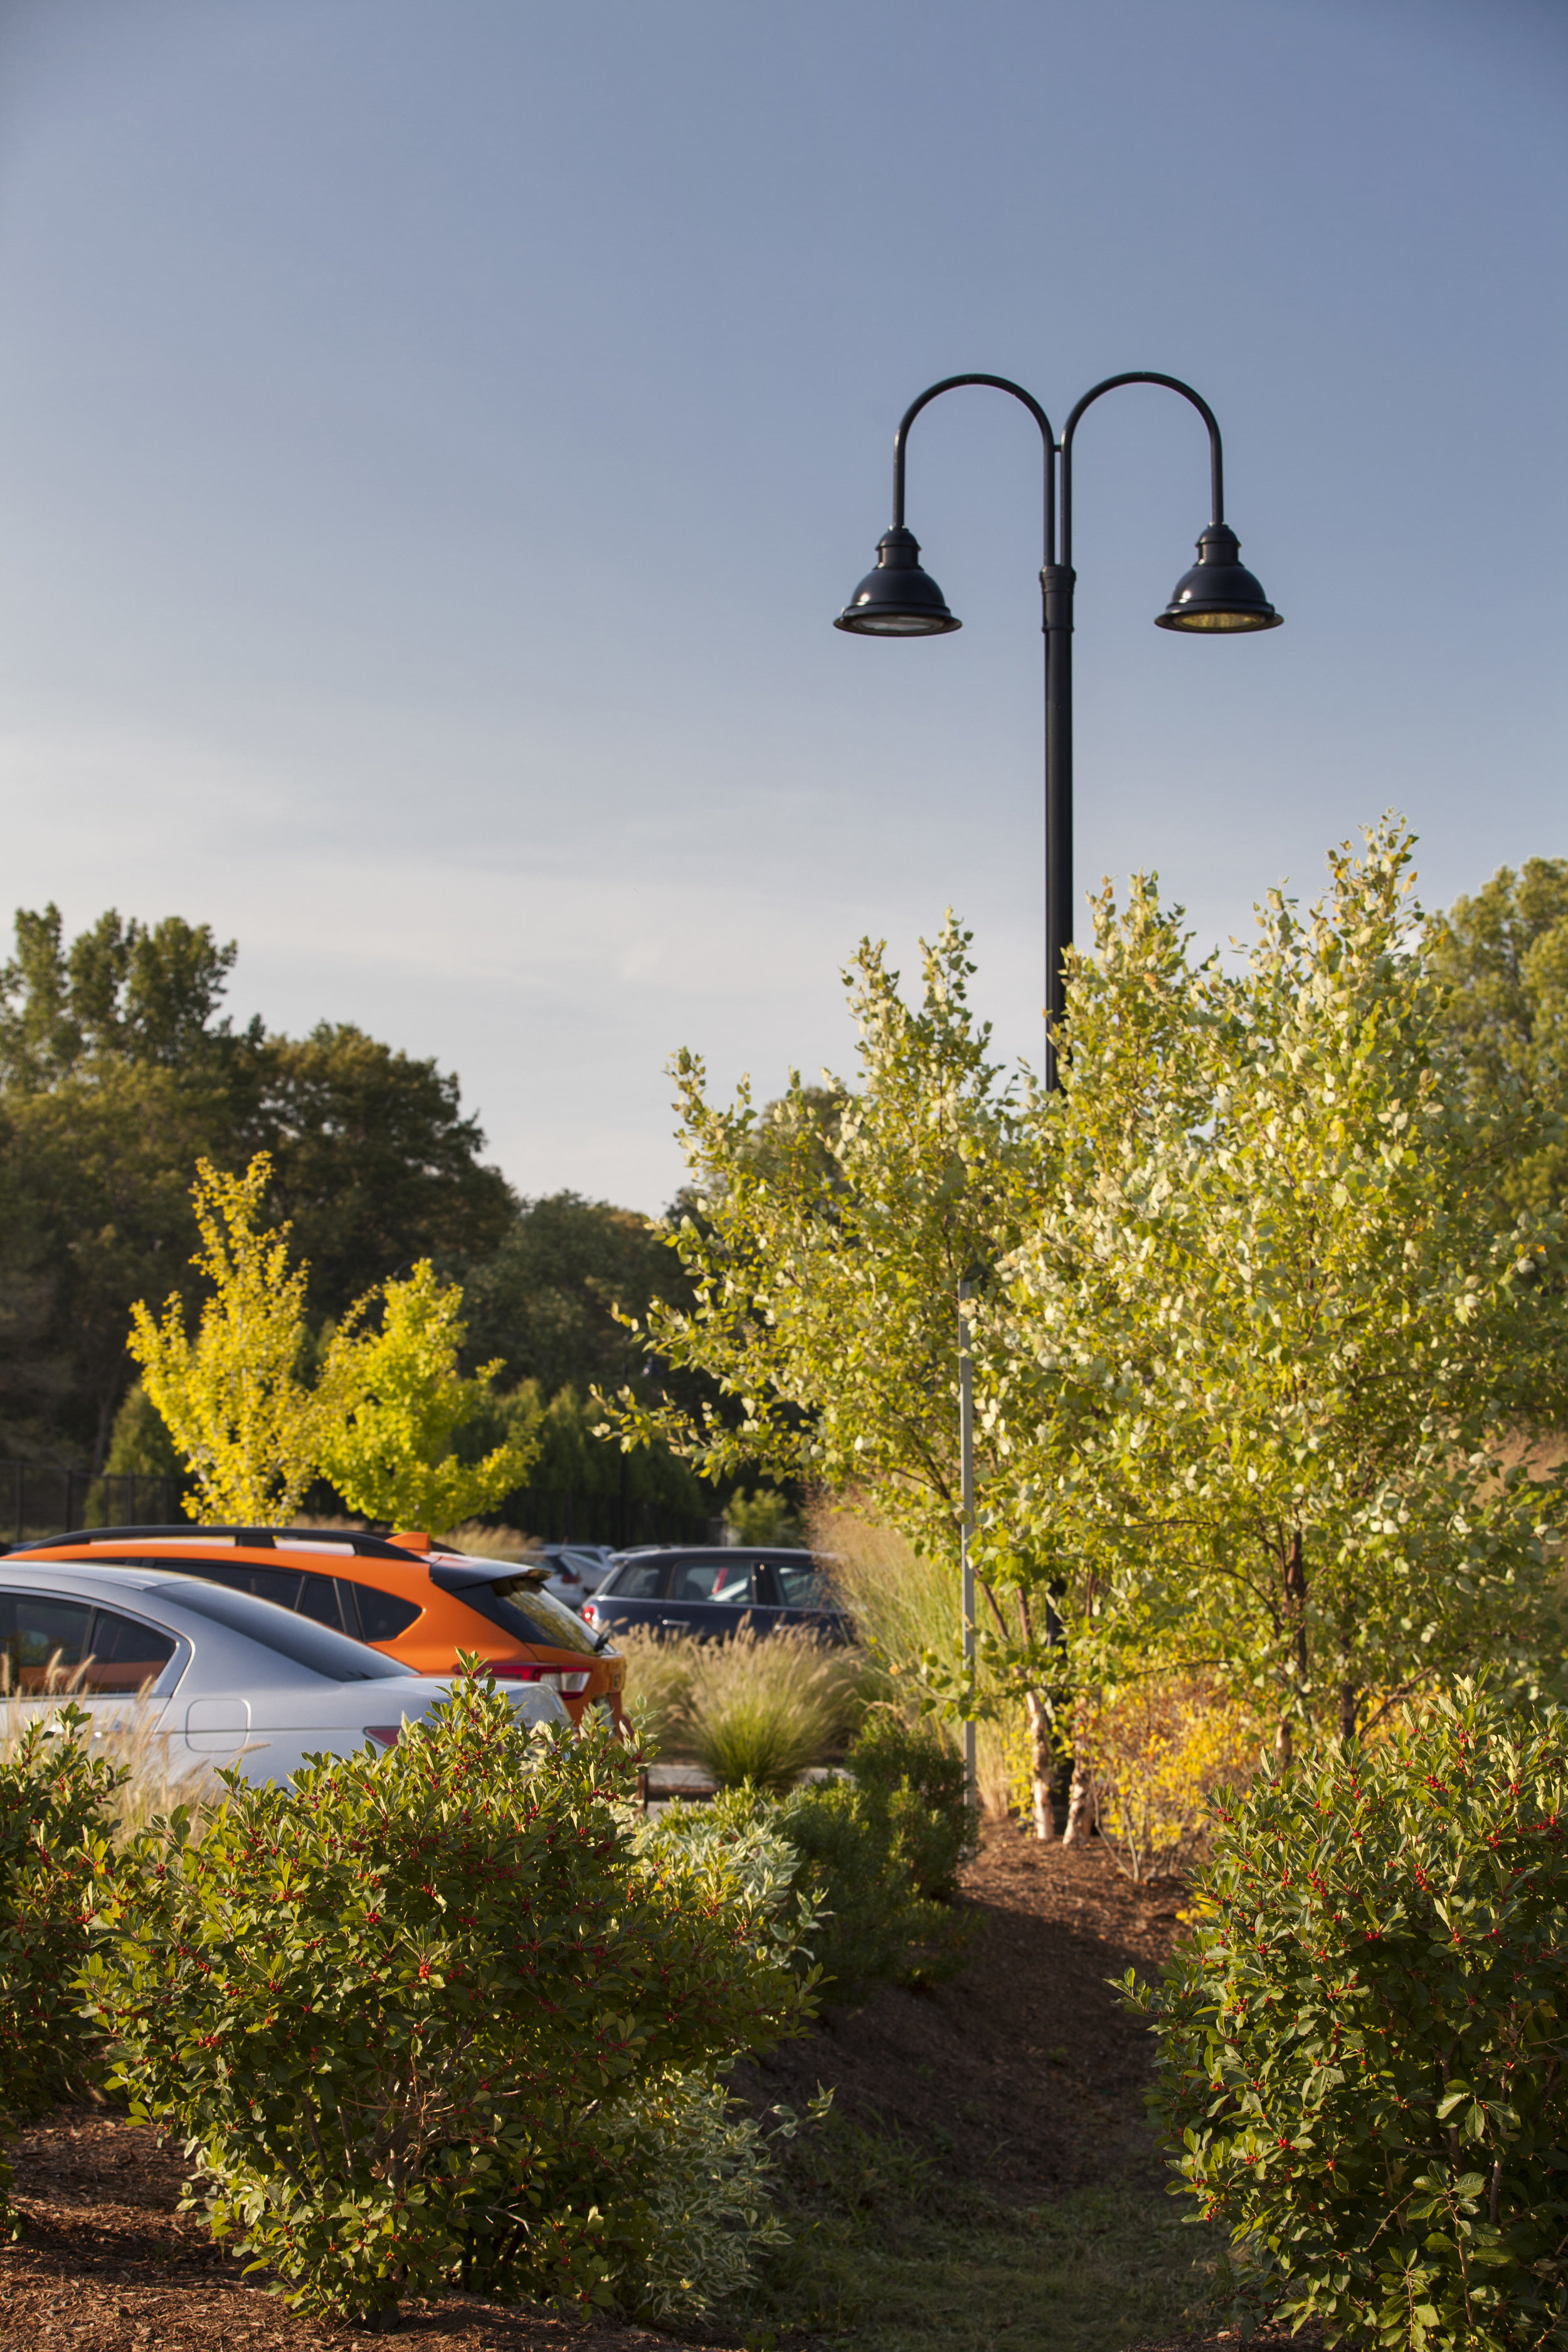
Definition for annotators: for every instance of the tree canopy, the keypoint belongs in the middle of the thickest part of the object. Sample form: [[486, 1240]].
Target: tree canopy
[[118, 1071], [1503, 956], [1259, 1350], [1262, 1368]]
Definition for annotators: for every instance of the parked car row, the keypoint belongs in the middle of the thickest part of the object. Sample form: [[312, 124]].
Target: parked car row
[[276, 1628], [711, 1590], [257, 1646], [232, 1679]]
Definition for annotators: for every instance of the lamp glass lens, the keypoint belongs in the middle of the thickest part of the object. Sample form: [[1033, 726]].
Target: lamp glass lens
[[895, 625], [1220, 620]]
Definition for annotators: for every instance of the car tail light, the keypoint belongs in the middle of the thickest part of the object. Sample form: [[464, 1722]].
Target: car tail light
[[590, 1613], [386, 1732], [526, 1670]]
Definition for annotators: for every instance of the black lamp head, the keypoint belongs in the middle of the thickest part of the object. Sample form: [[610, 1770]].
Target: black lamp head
[[897, 600], [1219, 591]]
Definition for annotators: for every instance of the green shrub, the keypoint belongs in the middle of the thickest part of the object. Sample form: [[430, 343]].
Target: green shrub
[[763, 1708], [54, 1798], [911, 1772], [764, 1517], [1363, 2042], [857, 1912], [426, 2016]]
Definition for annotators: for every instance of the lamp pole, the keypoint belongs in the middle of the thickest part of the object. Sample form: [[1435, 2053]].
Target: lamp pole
[[966, 1526], [1217, 596]]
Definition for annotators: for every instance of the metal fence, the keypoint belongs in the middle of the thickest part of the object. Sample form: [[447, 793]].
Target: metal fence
[[556, 1516], [39, 1501]]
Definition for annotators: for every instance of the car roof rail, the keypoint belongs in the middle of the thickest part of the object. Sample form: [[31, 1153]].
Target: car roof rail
[[245, 1539]]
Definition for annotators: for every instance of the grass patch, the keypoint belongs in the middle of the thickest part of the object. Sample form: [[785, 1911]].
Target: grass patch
[[158, 1781], [764, 1707], [895, 2258], [751, 1706]]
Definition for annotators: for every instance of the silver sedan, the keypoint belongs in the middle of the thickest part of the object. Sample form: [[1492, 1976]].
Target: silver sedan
[[226, 1679]]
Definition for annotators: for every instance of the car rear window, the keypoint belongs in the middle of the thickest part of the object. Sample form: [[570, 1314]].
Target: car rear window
[[382, 1615], [524, 1609], [315, 1648], [302, 1590], [123, 1655], [361, 1610]]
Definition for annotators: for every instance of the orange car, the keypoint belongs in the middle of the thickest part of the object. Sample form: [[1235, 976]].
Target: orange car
[[398, 1593]]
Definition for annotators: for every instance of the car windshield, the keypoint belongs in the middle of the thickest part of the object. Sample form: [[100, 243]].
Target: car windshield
[[556, 1625], [315, 1648]]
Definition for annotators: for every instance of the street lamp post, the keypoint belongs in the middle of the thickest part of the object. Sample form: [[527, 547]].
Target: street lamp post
[[900, 600]]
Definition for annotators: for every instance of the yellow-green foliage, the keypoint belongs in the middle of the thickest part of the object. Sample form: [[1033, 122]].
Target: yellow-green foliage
[[379, 1418], [904, 1606], [251, 1431], [391, 1457], [1160, 1750]]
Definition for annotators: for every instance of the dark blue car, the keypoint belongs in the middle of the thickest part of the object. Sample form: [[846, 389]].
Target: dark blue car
[[713, 1591]]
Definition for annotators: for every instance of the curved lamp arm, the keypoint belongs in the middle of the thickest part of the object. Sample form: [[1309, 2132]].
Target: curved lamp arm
[[1171, 383], [998, 383]]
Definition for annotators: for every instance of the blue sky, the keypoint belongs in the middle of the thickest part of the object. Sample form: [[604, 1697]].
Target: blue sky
[[435, 440]]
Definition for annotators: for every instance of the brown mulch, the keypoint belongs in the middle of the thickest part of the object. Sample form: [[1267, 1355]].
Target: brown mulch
[[1022, 2072], [107, 2262]]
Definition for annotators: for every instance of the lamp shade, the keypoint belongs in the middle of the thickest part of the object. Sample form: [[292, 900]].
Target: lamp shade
[[897, 600], [1220, 592]]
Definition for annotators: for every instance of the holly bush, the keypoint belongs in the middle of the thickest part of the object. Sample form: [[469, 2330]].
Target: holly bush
[[420, 2015], [54, 1850], [1362, 2040]]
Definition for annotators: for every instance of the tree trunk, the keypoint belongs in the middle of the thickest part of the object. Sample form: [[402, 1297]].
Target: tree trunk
[[1350, 1709], [1040, 1766], [1081, 1804], [1040, 1756], [1296, 1617]]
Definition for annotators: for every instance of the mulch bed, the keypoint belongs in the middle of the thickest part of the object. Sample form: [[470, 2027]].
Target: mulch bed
[[1023, 2072], [107, 2261]]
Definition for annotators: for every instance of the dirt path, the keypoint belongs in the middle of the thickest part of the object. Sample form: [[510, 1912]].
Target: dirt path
[[1025, 2071]]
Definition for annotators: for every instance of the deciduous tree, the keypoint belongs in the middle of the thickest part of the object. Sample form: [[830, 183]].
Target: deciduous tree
[[252, 1429], [824, 1241], [1259, 1371], [392, 1457], [1503, 956]]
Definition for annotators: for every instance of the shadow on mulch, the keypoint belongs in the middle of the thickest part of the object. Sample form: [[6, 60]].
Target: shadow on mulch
[[109, 2265], [1024, 2075], [1013, 2095]]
